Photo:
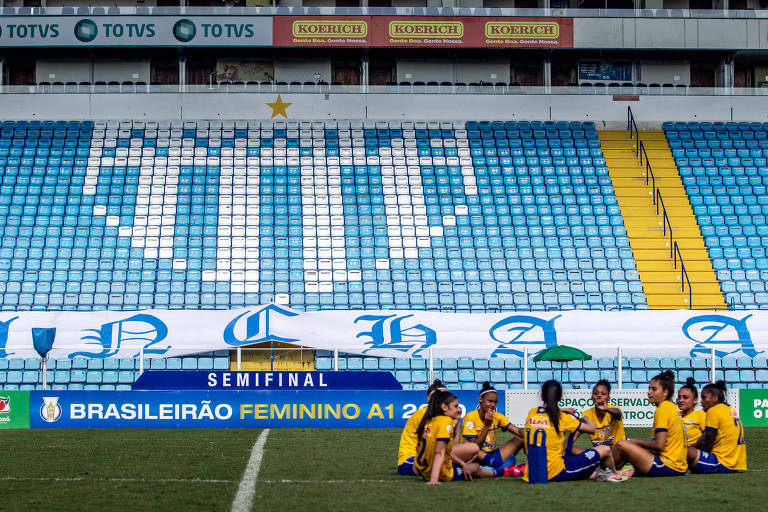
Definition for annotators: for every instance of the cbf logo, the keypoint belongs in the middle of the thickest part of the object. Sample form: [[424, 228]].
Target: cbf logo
[[184, 30], [257, 326], [727, 335], [137, 330], [86, 30], [389, 332], [50, 411], [515, 332]]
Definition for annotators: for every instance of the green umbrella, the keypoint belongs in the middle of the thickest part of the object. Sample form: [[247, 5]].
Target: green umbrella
[[562, 353]]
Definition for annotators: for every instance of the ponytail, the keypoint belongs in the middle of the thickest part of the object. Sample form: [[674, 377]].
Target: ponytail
[[436, 385], [551, 393], [487, 388], [437, 399]]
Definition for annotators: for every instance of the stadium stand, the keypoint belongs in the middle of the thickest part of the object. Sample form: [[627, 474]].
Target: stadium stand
[[450, 216]]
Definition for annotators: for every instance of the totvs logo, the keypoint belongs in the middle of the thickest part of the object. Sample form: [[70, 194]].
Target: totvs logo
[[315, 28]]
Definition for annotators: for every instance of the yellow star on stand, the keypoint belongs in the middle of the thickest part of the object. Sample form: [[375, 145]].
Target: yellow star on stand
[[279, 107]]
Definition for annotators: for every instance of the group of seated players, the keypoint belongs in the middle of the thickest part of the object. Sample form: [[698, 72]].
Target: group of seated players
[[440, 446]]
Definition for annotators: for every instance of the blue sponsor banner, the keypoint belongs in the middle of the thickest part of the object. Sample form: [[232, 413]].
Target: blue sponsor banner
[[234, 380], [229, 409]]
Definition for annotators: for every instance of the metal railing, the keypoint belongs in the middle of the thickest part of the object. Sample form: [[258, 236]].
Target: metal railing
[[658, 201]]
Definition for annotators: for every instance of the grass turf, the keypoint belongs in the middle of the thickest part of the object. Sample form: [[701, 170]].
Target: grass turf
[[314, 469]]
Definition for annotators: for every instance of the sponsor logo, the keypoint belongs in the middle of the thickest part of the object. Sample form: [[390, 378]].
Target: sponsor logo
[[86, 30], [522, 30], [50, 411], [184, 30], [313, 28], [5, 404], [444, 29]]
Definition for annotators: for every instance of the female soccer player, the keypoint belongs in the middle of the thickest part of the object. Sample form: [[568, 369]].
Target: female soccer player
[[665, 454], [437, 460], [408, 439], [548, 426], [693, 420], [481, 426], [607, 418], [721, 448]]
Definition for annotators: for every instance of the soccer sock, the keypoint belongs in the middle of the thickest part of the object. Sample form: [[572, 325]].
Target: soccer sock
[[498, 471], [511, 461], [490, 460]]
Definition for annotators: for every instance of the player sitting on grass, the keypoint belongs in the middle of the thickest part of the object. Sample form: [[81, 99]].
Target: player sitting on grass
[[481, 426], [548, 427], [408, 439], [437, 459], [722, 448], [693, 420], [665, 454]]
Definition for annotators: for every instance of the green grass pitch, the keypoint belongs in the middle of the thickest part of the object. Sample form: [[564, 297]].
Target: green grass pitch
[[313, 469]]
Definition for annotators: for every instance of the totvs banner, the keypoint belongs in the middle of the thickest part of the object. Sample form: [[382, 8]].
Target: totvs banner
[[415, 31], [163, 333]]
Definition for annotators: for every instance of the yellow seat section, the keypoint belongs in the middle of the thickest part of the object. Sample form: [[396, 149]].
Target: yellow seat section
[[645, 229], [278, 357]]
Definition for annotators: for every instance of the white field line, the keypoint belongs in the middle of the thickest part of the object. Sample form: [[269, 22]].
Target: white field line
[[244, 497], [107, 479]]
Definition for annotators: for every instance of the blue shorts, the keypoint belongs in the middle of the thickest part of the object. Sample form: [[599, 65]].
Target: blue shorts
[[708, 463], [458, 473], [578, 467], [406, 468], [658, 468]]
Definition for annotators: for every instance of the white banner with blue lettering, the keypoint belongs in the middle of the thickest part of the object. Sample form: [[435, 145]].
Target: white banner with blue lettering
[[163, 333]]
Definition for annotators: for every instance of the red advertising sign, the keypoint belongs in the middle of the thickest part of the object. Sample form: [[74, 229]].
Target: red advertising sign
[[341, 31], [425, 32]]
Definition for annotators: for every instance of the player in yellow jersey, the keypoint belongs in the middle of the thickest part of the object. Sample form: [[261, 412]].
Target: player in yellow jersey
[[722, 448], [408, 439], [546, 429], [665, 454], [481, 427], [437, 459], [693, 419], [607, 418]]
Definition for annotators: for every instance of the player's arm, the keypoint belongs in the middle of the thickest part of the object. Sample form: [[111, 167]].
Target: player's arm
[[656, 444], [516, 431], [615, 412], [586, 426], [707, 439], [437, 462]]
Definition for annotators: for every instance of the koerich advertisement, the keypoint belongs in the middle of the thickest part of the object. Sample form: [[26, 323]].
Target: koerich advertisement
[[14, 409], [228, 409]]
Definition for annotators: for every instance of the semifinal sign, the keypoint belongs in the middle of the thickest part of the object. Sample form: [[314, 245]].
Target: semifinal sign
[[416, 31], [391, 333], [229, 409], [234, 380], [25, 31]]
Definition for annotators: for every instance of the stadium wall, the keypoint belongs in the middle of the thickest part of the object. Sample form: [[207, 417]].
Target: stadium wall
[[649, 111]]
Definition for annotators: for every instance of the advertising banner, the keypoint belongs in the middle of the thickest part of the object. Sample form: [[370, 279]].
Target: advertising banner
[[391, 333], [234, 380], [229, 409], [46, 31], [634, 404], [753, 407], [419, 31], [14, 409]]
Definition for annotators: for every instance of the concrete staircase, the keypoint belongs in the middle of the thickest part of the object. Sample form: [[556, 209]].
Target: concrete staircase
[[651, 248]]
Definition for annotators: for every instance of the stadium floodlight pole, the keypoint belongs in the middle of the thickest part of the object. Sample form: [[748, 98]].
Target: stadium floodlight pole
[[712, 374], [431, 365], [619, 367], [239, 358], [525, 368], [45, 373]]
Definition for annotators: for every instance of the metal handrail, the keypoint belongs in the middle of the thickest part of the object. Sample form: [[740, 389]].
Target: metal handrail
[[684, 273], [665, 223]]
